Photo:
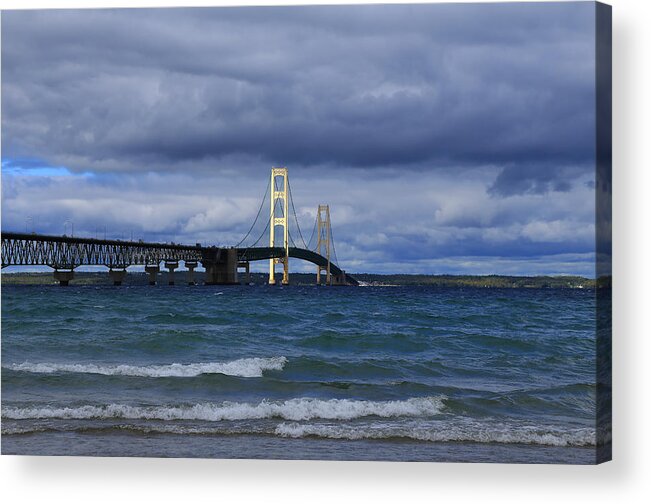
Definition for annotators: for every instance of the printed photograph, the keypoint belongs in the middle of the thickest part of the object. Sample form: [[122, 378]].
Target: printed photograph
[[352, 232]]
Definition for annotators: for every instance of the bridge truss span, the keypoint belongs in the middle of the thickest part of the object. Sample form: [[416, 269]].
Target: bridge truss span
[[63, 252], [67, 253]]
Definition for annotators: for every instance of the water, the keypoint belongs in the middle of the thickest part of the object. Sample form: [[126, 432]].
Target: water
[[379, 373]]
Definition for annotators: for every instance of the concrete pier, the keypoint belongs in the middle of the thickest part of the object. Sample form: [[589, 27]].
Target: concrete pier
[[153, 270], [221, 266], [319, 270], [117, 275], [339, 279], [247, 271], [191, 265], [171, 266], [64, 276]]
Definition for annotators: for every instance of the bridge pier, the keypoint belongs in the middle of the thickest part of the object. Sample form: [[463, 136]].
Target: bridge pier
[[191, 265], [339, 279], [272, 270], [320, 269], [64, 276], [171, 266], [153, 270], [221, 266], [117, 275], [247, 271]]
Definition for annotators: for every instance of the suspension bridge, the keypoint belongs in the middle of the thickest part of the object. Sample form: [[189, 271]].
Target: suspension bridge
[[274, 243]]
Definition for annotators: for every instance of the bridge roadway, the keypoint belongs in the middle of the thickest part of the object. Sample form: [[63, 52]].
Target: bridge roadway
[[66, 253]]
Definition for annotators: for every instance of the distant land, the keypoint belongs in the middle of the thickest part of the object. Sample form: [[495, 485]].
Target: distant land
[[478, 281]]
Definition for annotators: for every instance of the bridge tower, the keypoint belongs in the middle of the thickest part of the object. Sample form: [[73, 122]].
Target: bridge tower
[[323, 241], [278, 217]]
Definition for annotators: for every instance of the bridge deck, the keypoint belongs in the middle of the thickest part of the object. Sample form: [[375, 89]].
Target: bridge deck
[[65, 252]]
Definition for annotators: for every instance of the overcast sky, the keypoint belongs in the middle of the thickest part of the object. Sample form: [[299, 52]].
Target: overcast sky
[[446, 138]]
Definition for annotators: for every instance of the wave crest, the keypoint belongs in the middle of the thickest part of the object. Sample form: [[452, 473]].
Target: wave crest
[[447, 432], [247, 368], [292, 409], [437, 431]]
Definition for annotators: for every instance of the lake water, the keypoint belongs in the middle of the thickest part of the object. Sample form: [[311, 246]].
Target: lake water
[[379, 373]]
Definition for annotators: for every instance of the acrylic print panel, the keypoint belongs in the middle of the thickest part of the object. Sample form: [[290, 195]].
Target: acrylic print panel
[[372, 232]]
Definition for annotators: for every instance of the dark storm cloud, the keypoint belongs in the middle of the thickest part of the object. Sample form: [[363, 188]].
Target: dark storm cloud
[[536, 178], [446, 138], [406, 86]]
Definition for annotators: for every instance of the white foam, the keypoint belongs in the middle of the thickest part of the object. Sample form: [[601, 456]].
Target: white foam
[[447, 432], [249, 368], [7, 431], [293, 409]]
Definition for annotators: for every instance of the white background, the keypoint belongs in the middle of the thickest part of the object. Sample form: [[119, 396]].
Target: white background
[[626, 479]]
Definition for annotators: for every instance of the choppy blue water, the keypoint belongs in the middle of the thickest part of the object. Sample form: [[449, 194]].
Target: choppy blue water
[[385, 373]]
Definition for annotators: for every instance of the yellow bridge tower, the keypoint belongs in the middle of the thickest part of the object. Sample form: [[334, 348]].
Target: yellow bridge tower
[[323, 240], [278, 217]]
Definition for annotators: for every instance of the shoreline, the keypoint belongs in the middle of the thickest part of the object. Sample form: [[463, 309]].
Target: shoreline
[[260, 447], [365, 279]]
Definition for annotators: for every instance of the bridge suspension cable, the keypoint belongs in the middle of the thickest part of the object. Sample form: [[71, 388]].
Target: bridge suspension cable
[[282, 203], [264, 231], [334, 249], [291, 200], [309, 245], [257, 216], [312, 235]]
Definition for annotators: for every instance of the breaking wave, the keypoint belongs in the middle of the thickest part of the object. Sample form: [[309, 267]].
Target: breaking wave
[[446, 432], [441, 432], [247, 368], [292, 409]]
